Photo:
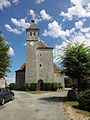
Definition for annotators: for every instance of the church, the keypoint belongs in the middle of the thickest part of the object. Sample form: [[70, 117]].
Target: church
[[39, 67]]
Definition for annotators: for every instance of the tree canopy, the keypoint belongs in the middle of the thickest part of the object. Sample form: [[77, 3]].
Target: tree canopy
[[4, 58], [76, 62]]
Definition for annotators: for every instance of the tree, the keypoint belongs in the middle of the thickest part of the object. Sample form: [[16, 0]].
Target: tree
[[4, 58], [76, 63]]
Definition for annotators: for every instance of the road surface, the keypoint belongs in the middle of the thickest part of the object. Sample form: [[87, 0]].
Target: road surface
[[26, 106]]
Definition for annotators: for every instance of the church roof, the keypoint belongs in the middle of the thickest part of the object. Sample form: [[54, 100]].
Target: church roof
[[43, 46], [56, 69]]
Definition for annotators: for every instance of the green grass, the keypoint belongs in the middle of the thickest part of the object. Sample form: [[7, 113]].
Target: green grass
[[75, 106]]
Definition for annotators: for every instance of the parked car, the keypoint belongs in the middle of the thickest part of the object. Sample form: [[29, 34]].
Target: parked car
[[6, 95]]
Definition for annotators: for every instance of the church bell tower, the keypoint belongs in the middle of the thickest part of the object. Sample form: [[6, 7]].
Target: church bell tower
[[32, 34]]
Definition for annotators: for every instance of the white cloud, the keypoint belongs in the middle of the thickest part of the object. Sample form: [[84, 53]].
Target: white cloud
[[20, 23], [4, 3], [15, 1], [11, 51], [55, 30], [44, 15], [15, 30], [40, 17], [39, 1], [80, 9], [79, 24]]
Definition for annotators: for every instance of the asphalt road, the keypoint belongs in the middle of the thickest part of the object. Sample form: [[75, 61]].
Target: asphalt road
[[26, 106]]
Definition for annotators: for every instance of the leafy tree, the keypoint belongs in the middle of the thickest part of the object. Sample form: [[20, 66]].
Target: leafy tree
[[76, 63], [4, 58]]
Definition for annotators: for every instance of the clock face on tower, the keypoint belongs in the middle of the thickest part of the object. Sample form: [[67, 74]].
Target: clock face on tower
[[31, 43]]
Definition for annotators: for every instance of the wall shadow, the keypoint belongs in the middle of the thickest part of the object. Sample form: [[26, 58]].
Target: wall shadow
[[54, 99]]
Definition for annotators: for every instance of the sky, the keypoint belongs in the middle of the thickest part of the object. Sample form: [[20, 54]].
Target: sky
[[60, 22]]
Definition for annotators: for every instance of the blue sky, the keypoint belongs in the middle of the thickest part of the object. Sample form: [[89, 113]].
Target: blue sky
[[58, 20]]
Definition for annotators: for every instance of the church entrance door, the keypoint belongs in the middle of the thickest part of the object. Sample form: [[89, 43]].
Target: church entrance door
[[40, 85]]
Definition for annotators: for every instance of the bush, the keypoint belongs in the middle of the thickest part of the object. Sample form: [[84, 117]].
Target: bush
[[33, 87], [84, 100], [12, 86], [60, 86], [47, 86], [25, 86], [54, 86], [72, 95]]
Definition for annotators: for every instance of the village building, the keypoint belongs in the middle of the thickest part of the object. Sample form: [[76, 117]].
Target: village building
[[39, 67]]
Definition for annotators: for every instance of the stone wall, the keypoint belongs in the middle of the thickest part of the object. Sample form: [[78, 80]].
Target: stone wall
[[44, 65], [59, 79]]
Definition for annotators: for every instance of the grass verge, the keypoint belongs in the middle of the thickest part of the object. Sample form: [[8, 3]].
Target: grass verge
[[74, 105]]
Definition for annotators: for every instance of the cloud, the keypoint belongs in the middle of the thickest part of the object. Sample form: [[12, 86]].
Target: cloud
[[80, 9], [44, 15], [55, 30], [4, 3], [15, 30], [11, 51], [39, 1], [79, 24], [15, 1], [7, 3], [20, 23]]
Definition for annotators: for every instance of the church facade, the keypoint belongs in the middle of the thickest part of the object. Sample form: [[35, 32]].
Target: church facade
[[39, 67]]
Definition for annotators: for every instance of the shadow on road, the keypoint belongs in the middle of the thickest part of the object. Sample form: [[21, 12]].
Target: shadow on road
[[54, 99]]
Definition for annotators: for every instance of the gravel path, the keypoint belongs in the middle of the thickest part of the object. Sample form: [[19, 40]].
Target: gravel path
[[26, 106]]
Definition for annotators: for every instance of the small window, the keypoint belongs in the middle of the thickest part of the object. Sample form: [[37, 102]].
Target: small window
[[34, 34], [30, 33], [40, 65], [40, 54]]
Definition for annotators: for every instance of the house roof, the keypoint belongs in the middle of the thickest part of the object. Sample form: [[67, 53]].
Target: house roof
[[43, 46], [56, 69]]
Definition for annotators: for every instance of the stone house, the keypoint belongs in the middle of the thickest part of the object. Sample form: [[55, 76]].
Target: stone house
[[39, 67]]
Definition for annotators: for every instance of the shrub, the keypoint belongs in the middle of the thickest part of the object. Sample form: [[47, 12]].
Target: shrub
[[12, 86], [47, 86], [84, 100], [25, 86], [60, 86], [54, 86], [72, 95], [33, 87]]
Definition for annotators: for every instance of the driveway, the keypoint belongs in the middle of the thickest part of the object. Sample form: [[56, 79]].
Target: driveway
[[26, 106]]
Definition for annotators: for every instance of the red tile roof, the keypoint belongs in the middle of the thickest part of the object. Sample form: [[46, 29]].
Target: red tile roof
[[43, 46]]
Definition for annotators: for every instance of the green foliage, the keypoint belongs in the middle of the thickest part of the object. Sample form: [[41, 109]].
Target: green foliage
[[12, 86], [72, 95], [60, 86], [76, 62], [47, 86], [84, 100], [25, 86], [4, 58], [33, 87], [54, 86]]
